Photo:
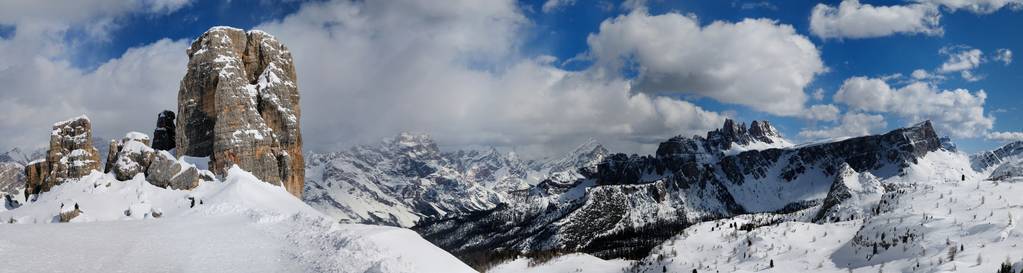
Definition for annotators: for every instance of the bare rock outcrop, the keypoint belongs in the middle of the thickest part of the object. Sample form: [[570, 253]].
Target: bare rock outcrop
[[163, 136], [239, 104], [129, 156], [168, 172], [71, 156]]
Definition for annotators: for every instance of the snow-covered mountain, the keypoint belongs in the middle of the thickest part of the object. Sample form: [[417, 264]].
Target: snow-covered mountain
[[988, 159], [239, 224], [905, 201], [633, 203], [407, 178]]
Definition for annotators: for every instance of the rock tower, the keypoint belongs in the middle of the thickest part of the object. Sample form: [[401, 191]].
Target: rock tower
[[239, 104]]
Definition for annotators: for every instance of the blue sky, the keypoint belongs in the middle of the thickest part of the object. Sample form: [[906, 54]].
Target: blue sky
[[365, 69]]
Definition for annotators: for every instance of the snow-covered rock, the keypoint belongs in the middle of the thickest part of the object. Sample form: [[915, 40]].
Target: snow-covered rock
[[1011, 170], [852, 196], [129, 156], [169, 172], [987, 160], [71, 155]]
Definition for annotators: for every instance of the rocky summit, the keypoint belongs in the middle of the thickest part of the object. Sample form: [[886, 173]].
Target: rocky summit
[[239, 104], [70, 156]]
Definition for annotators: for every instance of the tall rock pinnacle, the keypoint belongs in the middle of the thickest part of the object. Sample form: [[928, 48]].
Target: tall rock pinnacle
[[238, 104], [71, 156]]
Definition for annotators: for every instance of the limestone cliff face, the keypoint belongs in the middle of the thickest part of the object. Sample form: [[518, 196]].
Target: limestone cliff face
[[163, 136], [71, 156], [239, 104]]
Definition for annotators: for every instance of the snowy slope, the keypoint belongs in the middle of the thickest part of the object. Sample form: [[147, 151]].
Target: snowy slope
[[930, 219], [238, 225], [567, 263]]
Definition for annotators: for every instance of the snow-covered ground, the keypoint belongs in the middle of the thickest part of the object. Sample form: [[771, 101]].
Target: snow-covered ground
[[567, 263], [238, 225]]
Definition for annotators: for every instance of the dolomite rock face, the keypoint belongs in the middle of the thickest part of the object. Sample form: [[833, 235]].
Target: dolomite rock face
[[163, 136], [238, 104], [71, 156], [35, 173]]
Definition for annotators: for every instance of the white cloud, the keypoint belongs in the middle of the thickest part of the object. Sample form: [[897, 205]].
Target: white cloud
[[121, 95], [924, 75], [1005, 136], [960, 58], [852, 125], [854, 20], [969, 76], [41, 86], [371, 69], [977, 6], [754, 62], [552, 5], [959, 112], [93, 17], [826, 112], [1003, 55]]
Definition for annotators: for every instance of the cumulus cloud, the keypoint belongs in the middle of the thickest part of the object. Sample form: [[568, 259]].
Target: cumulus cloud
[[371, 69], [962, 59], [121, 95], [1003, 55], [825, 112], [74, 12], [1005, 136], [959, 112], [754, 62], [852, 125], [41, 86], [924, 75], [851, 19]]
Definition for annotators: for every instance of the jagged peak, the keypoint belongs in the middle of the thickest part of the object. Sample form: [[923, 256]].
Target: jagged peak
[[763, 128], [922, 125], [590, 145], [846, 170]]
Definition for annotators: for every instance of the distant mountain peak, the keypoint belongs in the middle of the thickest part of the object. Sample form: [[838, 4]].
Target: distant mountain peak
[[732, 138]]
